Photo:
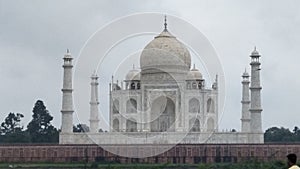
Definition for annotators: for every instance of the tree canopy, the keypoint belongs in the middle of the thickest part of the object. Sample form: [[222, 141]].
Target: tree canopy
[[40, 128], [11, 130], [11, 123], [275, 134]]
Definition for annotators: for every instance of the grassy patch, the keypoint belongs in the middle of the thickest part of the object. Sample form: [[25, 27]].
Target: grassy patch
[[245, 165]]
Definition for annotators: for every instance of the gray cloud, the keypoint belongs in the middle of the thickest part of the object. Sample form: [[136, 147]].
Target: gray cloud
[[34, 36]]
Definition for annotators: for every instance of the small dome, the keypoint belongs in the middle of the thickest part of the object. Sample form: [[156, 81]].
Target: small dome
[[245, 74], [255, 52], [165, 52], [133, 75], [194, 74]]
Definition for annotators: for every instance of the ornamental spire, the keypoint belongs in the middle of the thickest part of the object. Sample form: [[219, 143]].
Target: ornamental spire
[[165, 22]]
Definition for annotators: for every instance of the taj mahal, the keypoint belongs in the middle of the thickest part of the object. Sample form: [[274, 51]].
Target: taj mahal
[[166, 101]]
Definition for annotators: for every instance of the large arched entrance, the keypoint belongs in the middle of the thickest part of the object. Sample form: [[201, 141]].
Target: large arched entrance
[[162, 115]]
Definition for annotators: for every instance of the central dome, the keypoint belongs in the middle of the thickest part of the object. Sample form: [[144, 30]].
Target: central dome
[[165, 53]]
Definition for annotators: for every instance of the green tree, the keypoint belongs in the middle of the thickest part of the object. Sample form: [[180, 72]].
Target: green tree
[[17, 137], [296, 133], [40, 128], [275, 134], [11, 123], [81, 128], [12, 131]]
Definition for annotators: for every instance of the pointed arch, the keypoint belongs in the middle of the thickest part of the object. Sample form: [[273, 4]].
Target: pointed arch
[[131, 106], [116, 105], [131, 125], [194, 85], [210, 125], [194, 105], [194, 124], [116, 125], [210, 106], [162, 115], [132, 85]]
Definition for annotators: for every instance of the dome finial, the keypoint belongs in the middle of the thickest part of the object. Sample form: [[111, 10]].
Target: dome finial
[[165, 22], [133, 67], [255, 52], [194, 66], [95, 73], [245, 74]]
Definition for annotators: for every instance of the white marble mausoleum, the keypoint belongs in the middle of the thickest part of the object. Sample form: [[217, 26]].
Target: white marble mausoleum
[[166, 101]]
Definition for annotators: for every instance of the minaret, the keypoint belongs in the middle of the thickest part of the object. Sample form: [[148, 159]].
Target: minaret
[[94, 120], [110, 107], [215, 84], [255, 105], [245, 103], [67, 97]]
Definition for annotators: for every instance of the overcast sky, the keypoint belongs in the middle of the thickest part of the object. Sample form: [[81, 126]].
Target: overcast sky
[[35, 34]]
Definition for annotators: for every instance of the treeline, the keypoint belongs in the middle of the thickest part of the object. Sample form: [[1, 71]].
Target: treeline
[[38, 130], [283, 135]]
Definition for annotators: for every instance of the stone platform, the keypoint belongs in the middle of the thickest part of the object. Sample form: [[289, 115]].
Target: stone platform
[[160, 138]]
